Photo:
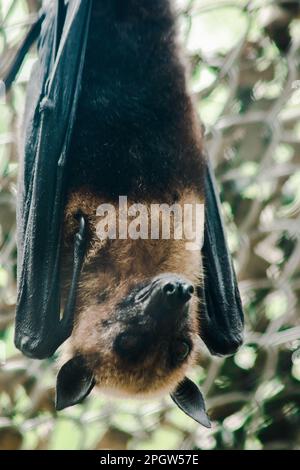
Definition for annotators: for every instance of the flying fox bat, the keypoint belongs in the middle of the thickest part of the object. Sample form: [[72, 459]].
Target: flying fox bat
[[108, 114]]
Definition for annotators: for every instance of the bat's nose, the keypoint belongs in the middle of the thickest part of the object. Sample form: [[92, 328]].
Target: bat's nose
[[170, 298], [177, 291], [173, 299]]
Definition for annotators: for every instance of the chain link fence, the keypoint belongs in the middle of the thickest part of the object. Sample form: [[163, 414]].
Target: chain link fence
[[245, 77]]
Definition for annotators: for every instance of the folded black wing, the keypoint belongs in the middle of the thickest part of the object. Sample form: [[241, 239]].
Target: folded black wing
[[222, 319], [50, 113]]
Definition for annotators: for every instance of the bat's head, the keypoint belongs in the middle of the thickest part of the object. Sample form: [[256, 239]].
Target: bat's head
[[136, 328], [142, 347]]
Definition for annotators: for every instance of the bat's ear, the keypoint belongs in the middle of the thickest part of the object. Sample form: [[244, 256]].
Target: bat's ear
[[189, 399], [74, 382]]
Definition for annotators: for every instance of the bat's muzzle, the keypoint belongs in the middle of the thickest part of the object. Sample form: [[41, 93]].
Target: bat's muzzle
[[177, 291], [169, 298], [158, 321]]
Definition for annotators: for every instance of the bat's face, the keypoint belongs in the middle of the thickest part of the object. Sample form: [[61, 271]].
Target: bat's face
[[136, 329], [145, 343], [155, 332]]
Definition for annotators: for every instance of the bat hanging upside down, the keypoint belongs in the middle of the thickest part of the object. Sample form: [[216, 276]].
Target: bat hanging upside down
[[136, 134], [115, 119]]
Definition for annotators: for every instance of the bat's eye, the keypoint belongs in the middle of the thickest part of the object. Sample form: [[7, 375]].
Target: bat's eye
[[181, 350], [131, 346], [128, 342]]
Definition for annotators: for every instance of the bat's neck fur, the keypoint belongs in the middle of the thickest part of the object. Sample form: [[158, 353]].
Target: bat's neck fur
[[134, 116]]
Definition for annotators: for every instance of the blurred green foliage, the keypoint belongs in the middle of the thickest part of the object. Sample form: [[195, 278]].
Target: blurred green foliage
[[245, 77]]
